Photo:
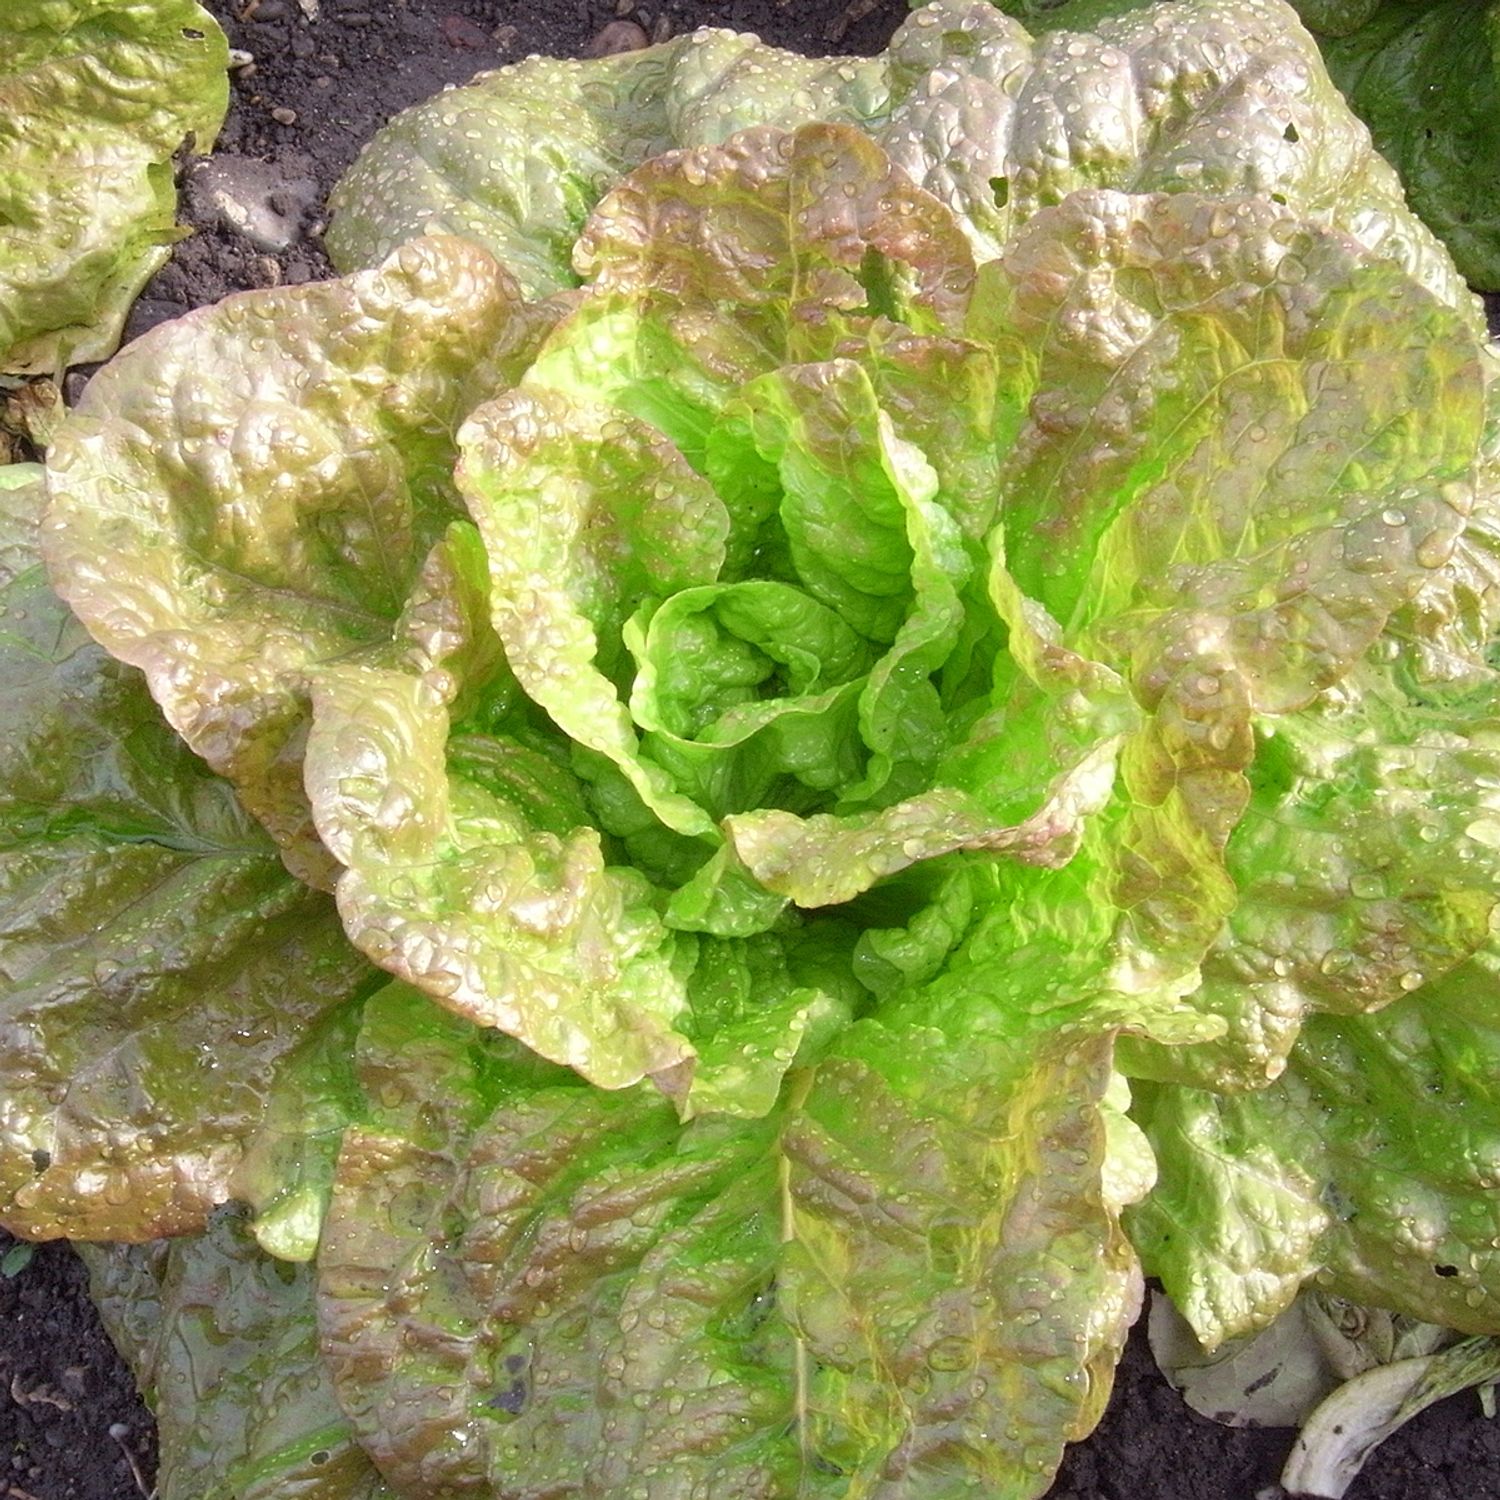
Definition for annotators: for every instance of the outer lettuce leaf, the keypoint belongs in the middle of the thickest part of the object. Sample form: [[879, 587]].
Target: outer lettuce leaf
[[162, 969], [96, 97], [1271, 473], [254, 488], [1229, 387], [1368, 863], [1371, 1164], [223, 1343], [1200, 486], [453, 884], [798, 224], [1216, 96], [582, 1295]]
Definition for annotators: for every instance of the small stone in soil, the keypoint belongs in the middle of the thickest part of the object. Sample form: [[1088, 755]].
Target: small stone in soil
[[616, 37], [460, 31], [284, 116]]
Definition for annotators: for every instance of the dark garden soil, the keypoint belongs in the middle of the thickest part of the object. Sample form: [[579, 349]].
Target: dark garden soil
[[311, 91]]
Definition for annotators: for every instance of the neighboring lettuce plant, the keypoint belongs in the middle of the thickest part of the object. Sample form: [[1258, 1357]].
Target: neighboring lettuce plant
[[96, 97], [847, 650], [1424, 75]]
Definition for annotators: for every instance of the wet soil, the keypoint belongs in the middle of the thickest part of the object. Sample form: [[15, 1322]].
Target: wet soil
[[313, 89], [71, 1424]]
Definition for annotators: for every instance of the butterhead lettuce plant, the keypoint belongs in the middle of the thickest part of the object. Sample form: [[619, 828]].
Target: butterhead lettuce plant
[[903, 729]]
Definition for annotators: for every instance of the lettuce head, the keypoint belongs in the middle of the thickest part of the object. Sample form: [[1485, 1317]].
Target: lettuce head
[[853, 667]]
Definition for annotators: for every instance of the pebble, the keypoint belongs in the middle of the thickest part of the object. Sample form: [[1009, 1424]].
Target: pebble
[[284, 116], [267, 10], [460, 31], [616, 37]]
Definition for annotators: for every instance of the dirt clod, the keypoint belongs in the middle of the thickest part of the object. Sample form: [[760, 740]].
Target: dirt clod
[[460, 31]]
